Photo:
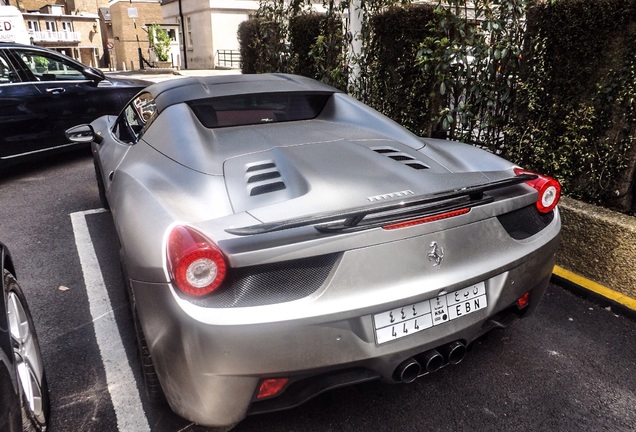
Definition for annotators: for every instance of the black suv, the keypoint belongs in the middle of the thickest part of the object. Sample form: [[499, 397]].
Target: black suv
[[43, 93]]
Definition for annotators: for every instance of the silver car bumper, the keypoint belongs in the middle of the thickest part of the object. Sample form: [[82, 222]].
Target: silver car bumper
[[210, 361]]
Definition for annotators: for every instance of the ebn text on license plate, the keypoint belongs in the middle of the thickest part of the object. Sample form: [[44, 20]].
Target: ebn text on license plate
[[401, 322]]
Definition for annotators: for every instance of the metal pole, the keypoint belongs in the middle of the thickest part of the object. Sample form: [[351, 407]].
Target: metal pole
[[183, 37]]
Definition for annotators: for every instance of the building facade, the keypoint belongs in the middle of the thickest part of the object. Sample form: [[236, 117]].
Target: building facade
[[130, 34], [209, 30], [100, 33], [60, 25]]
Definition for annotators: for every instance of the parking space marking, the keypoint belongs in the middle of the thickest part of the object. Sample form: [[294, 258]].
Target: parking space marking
[[119, 377]]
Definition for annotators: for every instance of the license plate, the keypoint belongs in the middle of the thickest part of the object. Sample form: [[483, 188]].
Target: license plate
[[407, 320]]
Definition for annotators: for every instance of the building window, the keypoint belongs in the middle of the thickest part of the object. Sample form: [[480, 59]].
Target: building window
[[189, 31], [33, 26], [50, 26], [67, 26]]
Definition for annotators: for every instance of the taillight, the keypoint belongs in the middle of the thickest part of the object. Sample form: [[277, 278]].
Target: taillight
[[196, 265], [549, 190]]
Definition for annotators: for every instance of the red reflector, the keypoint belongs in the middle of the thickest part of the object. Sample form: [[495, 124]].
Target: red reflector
[[426, 219], [523, 300], [271, 387]]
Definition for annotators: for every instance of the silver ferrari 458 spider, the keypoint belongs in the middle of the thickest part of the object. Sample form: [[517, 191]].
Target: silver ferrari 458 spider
[[280, 238]]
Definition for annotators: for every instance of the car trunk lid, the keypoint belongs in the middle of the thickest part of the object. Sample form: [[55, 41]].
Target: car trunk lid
[[333, 176]]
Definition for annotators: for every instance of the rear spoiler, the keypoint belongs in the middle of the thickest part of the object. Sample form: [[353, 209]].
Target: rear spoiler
[[421, 205]]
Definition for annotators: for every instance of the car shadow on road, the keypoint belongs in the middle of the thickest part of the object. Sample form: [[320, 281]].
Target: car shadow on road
[[13, 170]]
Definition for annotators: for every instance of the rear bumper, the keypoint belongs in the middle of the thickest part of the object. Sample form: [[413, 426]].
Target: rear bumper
[[210, 372]]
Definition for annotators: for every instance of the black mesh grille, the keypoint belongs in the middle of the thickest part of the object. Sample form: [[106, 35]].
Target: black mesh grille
[[525, 222], [271, 283]]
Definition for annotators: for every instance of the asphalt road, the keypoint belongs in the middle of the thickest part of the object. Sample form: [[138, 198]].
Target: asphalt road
[[570, 367]]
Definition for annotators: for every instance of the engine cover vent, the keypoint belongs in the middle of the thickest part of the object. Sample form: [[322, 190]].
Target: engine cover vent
[[399, 156], [263, 177]]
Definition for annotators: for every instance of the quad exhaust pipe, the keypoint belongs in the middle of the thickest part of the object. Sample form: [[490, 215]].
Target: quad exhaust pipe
[[429, 362], [432, 360], [408, 371], [454, 352]]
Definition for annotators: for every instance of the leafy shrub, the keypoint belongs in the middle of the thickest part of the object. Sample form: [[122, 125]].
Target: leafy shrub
[[262, 46], [303, 31], [397, 86], [553, 89], [576, 106]]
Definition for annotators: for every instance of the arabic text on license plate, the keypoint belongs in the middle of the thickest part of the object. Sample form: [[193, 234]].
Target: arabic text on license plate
[[414, 318]]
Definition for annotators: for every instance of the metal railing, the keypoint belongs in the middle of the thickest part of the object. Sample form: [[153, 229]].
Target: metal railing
[[228, 59], [55, 36]]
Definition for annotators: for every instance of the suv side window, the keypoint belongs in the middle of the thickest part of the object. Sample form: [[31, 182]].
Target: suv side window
[[7, 73], [135, 118]]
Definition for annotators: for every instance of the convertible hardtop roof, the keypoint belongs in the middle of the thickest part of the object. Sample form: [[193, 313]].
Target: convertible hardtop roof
[[180, 90]]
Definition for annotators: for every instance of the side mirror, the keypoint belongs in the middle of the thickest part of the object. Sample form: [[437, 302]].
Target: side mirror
[[94, 75], [83, 134]]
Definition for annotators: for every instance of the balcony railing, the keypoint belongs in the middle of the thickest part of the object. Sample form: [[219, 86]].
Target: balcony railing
[[228, 59], [55, 36]]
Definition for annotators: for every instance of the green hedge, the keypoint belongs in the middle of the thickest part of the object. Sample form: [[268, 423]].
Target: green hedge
[[574, 112], [315, 47], [576, 105], [398, 87], [262, 47], [303, 31]]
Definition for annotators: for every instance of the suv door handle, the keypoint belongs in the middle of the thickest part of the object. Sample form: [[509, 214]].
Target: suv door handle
[[55, 90]]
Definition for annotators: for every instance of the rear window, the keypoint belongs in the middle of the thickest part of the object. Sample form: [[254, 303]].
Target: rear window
[[250, 109]]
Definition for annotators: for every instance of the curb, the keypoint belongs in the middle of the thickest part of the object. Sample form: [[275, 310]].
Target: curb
[[594, 291]]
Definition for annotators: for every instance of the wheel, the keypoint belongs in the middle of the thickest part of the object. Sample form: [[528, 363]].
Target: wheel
[[100, 186], [151, 380], [34, 390], [148, 372]]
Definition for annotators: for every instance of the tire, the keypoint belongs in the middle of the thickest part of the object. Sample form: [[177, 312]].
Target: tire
[[34, 389], [148, 372], [100, 186]]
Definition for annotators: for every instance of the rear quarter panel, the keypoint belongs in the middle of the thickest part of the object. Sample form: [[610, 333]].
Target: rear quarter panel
[[148, 194]]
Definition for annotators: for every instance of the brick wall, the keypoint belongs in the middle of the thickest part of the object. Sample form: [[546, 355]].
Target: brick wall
[[128, 33]]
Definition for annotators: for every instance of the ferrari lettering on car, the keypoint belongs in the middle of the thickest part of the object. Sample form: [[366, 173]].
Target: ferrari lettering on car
[[280, 239], [391, 195]]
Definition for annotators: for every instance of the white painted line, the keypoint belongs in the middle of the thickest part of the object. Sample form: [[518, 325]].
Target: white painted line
[[119, 377]]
